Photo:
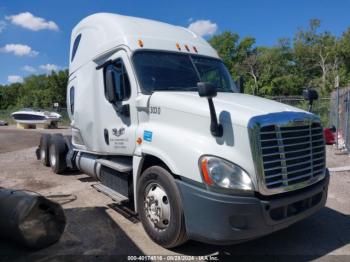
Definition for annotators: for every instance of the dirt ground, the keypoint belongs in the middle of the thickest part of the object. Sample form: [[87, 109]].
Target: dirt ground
[[99, 229]]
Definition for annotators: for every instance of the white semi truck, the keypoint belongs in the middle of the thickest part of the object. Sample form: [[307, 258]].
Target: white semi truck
[[158, 121]]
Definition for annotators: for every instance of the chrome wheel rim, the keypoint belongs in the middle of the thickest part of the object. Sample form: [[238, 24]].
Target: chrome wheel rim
[[42, 153], [157, 206]]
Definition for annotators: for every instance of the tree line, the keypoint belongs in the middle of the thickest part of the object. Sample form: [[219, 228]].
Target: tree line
[[38, 91], [313, 58]]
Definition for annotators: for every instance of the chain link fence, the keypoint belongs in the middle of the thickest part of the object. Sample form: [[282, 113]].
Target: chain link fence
[[340, 117], [334, 111], [320, 107]]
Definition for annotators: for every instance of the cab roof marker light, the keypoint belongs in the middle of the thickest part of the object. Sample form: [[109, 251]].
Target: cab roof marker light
[[186, 46], [178, 46], [140, 43], [195, 49]]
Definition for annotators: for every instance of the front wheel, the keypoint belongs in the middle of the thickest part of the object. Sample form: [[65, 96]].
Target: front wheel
[[160, 207]]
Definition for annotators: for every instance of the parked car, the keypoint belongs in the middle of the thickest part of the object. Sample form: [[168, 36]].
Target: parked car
[[3, 123], [329, 135]]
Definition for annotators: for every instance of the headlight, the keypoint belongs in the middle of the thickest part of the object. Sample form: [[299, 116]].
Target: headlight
[[221, 173]]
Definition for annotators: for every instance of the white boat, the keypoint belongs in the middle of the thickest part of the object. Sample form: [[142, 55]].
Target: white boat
[[32, 116]]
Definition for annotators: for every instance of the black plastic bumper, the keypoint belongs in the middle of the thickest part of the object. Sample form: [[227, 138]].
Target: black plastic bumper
[[224, 219]]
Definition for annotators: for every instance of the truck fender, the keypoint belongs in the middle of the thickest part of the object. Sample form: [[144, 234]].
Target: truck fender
[[138, 163]]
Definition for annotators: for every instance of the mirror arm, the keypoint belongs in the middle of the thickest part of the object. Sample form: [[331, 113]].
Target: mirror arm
[[240, 84], [310, 105], [216, 129]]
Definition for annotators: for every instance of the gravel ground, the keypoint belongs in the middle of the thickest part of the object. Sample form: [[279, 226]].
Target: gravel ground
[[12, 139], [96, 226]]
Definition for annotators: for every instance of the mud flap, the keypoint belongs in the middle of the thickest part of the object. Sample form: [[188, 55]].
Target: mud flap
[[37, 153]]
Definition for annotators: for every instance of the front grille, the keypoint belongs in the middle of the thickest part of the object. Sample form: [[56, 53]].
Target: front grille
[[291, 154]]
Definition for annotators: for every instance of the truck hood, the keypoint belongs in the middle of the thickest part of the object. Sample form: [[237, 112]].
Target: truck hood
[[241, 107]]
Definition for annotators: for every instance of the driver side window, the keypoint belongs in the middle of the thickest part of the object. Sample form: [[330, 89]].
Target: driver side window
[[120, 81]]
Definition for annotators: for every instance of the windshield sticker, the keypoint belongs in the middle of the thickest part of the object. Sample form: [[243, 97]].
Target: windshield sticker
[[147, 136]]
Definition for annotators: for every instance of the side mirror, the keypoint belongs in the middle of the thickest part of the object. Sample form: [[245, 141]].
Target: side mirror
[[310, 95], [110, 86], [206, 89], [240, 84]]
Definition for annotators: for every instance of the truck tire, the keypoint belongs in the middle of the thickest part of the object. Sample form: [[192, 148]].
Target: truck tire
[[57, 154], [59, 135], [44, 149], [160, 207]]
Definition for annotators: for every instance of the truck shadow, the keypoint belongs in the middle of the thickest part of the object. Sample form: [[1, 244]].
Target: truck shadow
[[228, 137], [312, 238], [90, 234], [69, 172]]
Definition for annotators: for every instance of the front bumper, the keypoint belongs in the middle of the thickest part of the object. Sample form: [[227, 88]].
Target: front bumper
[[224, 219]]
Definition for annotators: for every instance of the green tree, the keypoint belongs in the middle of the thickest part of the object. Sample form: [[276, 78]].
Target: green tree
[[316, 56], [9, 95], [39, 91], [238, 55], [343, 49]]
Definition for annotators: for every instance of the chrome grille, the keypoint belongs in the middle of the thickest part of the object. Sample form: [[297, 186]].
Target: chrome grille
[[291, 154]]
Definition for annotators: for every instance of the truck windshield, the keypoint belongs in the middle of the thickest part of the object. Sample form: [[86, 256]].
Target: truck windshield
[[166, 71]]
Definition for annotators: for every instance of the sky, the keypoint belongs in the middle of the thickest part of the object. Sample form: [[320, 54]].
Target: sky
[[35, 34]]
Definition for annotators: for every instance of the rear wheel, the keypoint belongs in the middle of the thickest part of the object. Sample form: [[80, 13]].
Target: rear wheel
[[160, 208], [58, 151], [44, 149]]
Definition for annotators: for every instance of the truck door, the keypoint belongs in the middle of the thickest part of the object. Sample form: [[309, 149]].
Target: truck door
[[120, 129]]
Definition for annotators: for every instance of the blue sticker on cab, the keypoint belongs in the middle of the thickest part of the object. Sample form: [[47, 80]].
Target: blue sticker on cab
[[147, 136]]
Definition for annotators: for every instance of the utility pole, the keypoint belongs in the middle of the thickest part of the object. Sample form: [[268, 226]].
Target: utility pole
[[337, 122]]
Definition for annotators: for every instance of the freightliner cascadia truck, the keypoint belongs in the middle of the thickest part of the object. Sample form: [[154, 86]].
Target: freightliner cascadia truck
[[158, 121]]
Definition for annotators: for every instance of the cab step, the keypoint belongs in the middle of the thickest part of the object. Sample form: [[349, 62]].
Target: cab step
[[115, 196]]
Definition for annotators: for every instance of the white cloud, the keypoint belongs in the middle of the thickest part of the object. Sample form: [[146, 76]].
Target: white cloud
[[203, 27], [49, 67], [2, 25], [29, 69], [19, 50], [31, 22], [14, 79]]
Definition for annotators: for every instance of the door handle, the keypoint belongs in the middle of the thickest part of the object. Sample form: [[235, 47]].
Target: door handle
[[106, 136]]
